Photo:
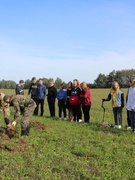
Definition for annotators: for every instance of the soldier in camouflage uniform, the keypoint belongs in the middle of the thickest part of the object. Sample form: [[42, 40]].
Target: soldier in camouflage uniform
[[29, 106], [5, 108]]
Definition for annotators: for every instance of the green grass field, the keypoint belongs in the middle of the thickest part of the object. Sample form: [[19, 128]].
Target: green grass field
[[70, 151]]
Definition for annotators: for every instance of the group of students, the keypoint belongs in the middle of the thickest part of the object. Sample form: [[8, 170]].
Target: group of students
[[76, 98], [116, 95], [72, 98]]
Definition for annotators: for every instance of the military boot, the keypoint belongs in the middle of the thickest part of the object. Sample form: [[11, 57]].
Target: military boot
[[23, 133], [28, 130]]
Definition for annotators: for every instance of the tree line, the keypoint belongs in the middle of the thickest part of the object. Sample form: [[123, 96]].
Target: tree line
[[9, 84], [102, 81], [122, 77]]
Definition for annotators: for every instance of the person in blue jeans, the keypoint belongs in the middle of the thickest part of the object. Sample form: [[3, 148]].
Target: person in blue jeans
[[41, 94], [61, 96]]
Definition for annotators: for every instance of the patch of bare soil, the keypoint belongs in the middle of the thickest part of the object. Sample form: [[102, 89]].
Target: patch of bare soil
[[15, 147], [10, 146], [39, 126], [7, 133]]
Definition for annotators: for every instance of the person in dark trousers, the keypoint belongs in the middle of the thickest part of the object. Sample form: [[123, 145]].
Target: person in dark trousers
[[128, 117], [61, 96], [130, 104], [19, 91], [117, 97], [41, 93], [33, 91], [68, 105], [19, 88], [75, 101], [51, 96], [86, 100]]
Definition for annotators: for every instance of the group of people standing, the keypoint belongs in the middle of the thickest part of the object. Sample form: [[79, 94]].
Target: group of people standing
[[70, 98], [75, 99]]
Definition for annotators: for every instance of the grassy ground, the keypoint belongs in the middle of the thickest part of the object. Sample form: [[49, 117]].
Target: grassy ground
[[57, 149]]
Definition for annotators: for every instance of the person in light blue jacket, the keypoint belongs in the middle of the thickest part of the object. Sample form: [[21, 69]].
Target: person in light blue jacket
[[41, 94], [116, 95], [61, 96]]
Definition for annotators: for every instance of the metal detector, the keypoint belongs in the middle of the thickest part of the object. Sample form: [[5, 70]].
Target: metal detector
[[103, 110]]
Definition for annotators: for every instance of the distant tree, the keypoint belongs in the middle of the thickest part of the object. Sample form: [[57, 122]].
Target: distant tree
[[101, 81], [58, 81], [121, 76], [110, 78], [27, 84], [7, 84], [45, 81]]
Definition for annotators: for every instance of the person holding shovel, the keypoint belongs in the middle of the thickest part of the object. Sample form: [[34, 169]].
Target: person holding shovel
[[18, 101], [116, 95]]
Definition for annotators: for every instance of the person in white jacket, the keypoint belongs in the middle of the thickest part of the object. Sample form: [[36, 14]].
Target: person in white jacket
[[131, 104]]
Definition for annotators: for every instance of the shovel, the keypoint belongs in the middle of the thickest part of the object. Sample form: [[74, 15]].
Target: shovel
[[103, 110]]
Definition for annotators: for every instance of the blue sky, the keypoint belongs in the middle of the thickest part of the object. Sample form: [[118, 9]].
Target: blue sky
[[66, 38]]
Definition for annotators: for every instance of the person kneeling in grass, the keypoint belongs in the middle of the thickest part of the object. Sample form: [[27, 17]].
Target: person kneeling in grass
[[29, 105], [116, 95]]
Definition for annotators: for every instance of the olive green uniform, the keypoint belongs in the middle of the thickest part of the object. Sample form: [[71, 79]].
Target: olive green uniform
[[29, 105], [5, 108]]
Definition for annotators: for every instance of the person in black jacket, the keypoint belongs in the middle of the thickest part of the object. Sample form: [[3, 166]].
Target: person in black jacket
[[74, 100], [68, 105], [19, 88], [19, 91], [52, 93], [33, 91]]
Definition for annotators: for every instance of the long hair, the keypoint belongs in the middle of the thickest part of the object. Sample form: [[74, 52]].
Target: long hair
[[133, 82], [71, 85], [83, 86], [78, 83], [113, 89]]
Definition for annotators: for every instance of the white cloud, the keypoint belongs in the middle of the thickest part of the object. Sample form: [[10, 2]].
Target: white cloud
[[17, 65]]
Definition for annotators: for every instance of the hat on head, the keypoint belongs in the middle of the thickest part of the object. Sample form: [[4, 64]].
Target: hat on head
[[5, 97], [21, 81]]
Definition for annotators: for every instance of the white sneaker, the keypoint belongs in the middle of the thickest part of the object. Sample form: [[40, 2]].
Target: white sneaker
[[59, 118], [65, 119], [115, 126], [119, 126], [129, 127], [80, 120]]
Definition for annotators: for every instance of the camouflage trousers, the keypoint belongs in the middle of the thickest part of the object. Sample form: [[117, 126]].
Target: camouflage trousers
[[27, 114], [6, 111]]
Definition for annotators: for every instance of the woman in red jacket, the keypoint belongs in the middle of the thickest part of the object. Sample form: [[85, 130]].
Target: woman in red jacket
[[85, 98]]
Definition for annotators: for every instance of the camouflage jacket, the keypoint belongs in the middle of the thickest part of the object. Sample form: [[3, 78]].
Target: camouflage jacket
[[19, 101], [4, 106]]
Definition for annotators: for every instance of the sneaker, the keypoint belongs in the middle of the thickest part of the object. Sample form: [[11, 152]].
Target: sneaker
[[65, 119], [115, 126], [129, 127], [119, 126], [80, 120], [85, 123], [59, 118]]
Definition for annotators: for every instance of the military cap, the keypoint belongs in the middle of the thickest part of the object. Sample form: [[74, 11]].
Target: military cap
[[5, 97]]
